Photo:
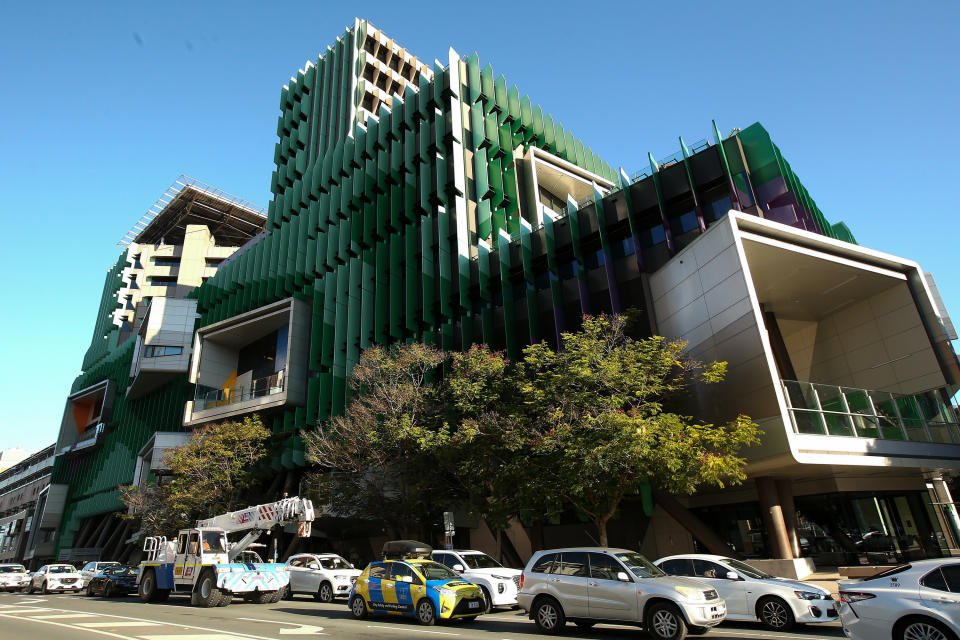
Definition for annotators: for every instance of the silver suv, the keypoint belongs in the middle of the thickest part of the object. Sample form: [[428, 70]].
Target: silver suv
[[587, 585]]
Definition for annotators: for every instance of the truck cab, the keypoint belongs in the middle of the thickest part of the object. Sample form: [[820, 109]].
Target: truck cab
[[197, 548]]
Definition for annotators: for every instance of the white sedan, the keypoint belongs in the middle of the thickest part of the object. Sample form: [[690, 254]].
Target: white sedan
[[752, 594], [13, 577], [56, 577], [324, 575], [93, 568], [916, 601]]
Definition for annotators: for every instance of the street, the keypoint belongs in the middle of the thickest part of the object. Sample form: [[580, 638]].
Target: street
[[76, 617]]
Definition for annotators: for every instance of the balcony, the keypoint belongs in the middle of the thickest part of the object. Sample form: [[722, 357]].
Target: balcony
[[251, 393], [830, 410]]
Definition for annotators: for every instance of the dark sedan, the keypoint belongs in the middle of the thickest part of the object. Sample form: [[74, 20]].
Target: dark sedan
[[114, 580]]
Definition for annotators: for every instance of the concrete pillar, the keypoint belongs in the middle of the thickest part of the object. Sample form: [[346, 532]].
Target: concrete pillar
[[777, 538], [946, 511], [785, 495]]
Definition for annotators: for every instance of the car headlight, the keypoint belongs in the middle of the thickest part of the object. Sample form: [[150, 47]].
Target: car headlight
[[692, 593], [446, 593], [341, 577], [809, 595]]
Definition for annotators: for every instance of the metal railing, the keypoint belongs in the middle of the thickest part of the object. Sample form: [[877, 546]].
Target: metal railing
[[209, 397], [831, 410]]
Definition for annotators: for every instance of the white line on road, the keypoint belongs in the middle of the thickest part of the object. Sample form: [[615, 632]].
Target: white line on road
[[439, 633], [57, 616], [240, 634], [301, 630], [121, 623], [68, 626]]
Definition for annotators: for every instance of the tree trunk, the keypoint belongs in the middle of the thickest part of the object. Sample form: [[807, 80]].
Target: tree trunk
[[602, 530]]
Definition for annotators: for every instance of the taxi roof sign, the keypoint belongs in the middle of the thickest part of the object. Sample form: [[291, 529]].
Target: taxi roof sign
[[401, 549]]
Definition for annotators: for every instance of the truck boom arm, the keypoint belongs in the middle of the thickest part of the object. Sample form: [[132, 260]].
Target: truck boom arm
[[262, 517]]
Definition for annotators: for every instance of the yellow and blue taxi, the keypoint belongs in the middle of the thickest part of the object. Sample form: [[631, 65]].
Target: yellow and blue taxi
[[408, 583]]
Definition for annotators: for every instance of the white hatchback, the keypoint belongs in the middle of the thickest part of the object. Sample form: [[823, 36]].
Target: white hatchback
[[324, 575], [752, 594], [56, 577], [916, 601]]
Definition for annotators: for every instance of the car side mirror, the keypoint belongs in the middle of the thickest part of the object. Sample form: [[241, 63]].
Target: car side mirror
[[732, 575], [458, 568], [407, 579], [623, 577]]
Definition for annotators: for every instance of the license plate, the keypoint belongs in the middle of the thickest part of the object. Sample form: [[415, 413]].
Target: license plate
[[473, 605]]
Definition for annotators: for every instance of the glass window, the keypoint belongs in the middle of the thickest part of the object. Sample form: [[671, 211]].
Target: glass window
[[335, 562], [707, 569], [935, 580], [166, 261], [155, 351], [951, 574], [436, 571], [677, 567], [544, 564], [480, 561], [603, 567], [446, 559], [639, 565], [573, 563], [745, 569], [213, 542], [182, 546], [296, 562], [399, 570], [379, 570]]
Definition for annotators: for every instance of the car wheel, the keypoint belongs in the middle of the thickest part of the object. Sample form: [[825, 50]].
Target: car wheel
[[548, 616], [324, 592], [426, 612], [108, 590], [43, 588], [487, 600], [775, 614], [922, 629], [664, 621], [358, 607]]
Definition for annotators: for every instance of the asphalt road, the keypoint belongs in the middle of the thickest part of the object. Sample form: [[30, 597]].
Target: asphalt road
[[76, 617]]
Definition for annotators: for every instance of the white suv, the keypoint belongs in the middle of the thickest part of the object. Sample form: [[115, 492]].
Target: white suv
[[55, 577], [587, 585], [13, 577], [498, 583], [324, 575]]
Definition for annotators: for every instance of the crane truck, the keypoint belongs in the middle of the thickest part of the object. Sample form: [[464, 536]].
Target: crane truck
[[200, 562]]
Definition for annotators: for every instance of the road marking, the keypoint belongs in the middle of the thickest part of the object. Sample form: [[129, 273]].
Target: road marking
[[439, 633], [120, 623], [57, 616], [301, 630], [194, 636], [27, 610], [224, 635]]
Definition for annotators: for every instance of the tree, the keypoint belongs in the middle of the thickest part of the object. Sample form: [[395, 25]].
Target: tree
[[209, 474], [374, 459], [598, 425]]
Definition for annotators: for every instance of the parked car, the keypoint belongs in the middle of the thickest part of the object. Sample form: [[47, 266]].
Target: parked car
[[324, 575], [498, 583], [115, 579], [752, 594], [13, 577], [93, 568], [55, 577], [411, 584], [917, 601], [590, 585]]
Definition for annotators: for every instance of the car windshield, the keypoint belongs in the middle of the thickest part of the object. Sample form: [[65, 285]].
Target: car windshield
[[640, 566], [250, 556], [212, 542], [121, 571], [13, 569], [747, 570], [480, 561], [103, 565], [61, 569], [335, 562], [436, 571]]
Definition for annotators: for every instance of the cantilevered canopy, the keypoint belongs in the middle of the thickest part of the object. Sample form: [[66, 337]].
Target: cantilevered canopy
[[231, 220]]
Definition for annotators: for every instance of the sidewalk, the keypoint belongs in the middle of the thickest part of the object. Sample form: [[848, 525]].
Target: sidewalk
[[826, 580]]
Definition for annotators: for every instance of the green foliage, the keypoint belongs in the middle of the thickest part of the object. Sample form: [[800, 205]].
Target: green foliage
[[579, 428], [210, 474]]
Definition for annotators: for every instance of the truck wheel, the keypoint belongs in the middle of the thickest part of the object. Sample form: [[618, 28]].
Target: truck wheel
[[226, 597], [205, 592], [286, 593], [358, 607], [324, 592], [148, 586], [262, 597]]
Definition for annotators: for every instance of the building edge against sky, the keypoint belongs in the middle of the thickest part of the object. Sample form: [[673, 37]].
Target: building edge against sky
[[438, 203]]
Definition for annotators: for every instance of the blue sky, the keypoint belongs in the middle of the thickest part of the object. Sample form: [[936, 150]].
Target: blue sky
[[105, 104]]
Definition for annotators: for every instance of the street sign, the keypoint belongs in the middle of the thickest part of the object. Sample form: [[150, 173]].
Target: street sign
[[448, 525]]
